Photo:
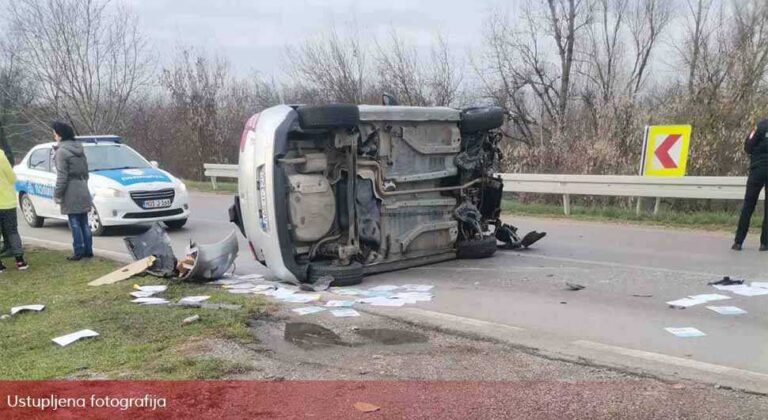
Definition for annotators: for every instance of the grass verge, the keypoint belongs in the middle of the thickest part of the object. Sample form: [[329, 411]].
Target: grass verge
[[700, 220], [205, 186], [136, 342]]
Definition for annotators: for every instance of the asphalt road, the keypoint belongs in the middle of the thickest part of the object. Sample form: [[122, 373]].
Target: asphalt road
[[629, 273]]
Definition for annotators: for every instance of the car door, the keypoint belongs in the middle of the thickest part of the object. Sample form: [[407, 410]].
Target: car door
[[41, 182]]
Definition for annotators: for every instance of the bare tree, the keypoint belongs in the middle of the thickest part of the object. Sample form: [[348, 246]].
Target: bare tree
[[17, 92], [651, 18], [88, 56]]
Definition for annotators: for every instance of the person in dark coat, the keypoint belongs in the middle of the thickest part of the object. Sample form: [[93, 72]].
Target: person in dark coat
[[71, 191], [756, 147]]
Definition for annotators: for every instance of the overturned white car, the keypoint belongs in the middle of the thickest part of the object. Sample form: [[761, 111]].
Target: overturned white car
[[346, 190]]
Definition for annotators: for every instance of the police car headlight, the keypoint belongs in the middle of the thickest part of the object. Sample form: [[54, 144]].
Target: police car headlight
[[181, 188], [108, 192]]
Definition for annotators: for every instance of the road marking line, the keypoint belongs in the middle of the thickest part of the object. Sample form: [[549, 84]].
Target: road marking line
[[505, 269], [673, 360], [611, 264], [455, 319]]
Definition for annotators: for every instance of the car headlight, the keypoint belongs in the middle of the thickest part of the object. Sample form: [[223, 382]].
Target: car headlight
[[181, 188], [108, 192]]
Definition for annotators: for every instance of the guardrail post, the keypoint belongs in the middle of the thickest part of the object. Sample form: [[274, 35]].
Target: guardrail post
[[213, 182], [639, 207], [657, 206], [567, 204]]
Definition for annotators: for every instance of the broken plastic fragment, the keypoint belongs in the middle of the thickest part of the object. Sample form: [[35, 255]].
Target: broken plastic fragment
[[25, 308], [68, 339]]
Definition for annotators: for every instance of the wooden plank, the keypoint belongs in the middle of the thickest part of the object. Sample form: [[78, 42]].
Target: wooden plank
[[125, 273]]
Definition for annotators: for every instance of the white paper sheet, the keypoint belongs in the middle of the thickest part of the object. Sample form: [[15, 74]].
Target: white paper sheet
[[250, 277], [150, 301], [711, 297], [278, 293], [418, 287], [263, 287], [308, 310], [347, 292], [155, 289], [345, 312], [339, 303], [413, 296], [685, 332], [729, 288], [241, 285], [140, 294], [727, 310], [299, 298], [382, 301], [192, 300], [685, 302], [24, 308], [760, 284], [68, 339], [384, 288], [750, 291], [240, 291]]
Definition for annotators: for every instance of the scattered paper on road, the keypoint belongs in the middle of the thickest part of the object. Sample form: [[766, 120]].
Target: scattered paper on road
[[299, 298], [345, 312], [153, 289], [68, 339], [240, 285], [745, 290], [150, 301], [240, 291], [760, 284], [384, 288], [685, 332], [412, 297], [25, 308], [417, 287], [347, 292], [709, 297], [308, 310], [140, 294], [382, 301], [263, 287], [339, 303], [727, 310], [685, 302], [279, 293], [250, 277], [192, 300]]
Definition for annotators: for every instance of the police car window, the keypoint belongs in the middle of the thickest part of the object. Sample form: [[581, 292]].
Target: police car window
[[103, 158], [40, 160]]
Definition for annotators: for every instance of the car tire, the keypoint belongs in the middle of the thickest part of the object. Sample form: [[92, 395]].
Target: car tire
[[472, 249], [29, 212], [328, 116], [94, 222], [349, 275], [481, 119], [175, 224]]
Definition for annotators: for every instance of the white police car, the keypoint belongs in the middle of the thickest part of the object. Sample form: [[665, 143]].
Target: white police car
[[126, 188]]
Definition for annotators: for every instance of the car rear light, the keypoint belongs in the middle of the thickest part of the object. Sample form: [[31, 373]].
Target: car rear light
[[249, 126]]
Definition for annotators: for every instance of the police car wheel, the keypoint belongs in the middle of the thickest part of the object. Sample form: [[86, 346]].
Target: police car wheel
[[94, 222], [175, 224], [29, 212]]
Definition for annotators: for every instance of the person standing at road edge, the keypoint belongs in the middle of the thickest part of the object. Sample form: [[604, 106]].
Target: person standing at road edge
[[71, 191], [756, 147], [8, 219]]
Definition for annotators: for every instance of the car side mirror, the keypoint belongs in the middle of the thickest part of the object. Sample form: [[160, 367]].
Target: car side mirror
[[154, 164]]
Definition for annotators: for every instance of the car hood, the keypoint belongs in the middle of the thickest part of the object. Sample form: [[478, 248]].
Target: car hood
[[130, 177]]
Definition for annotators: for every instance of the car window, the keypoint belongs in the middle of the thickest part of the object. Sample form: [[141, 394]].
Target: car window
[[102, 158], [40, 160]]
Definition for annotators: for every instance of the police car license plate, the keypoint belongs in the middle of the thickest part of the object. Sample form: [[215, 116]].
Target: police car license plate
[[156, 204]]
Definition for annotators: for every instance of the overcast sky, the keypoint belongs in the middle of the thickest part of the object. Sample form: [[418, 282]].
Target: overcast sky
[[253, 34]]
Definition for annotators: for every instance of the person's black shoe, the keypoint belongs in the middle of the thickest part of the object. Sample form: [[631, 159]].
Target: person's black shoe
[[74, 258], [763, 247], [88, 256], [736, 247]]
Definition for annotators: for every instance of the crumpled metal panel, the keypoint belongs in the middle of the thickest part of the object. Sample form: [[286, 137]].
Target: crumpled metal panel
[[212, 261], [154, 242]]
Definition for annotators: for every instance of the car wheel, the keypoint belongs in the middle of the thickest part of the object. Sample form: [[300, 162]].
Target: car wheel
[[481, 119], [472, 249], [349, 275], [29, 212], [94, 222], [175, 224], [328, 116]]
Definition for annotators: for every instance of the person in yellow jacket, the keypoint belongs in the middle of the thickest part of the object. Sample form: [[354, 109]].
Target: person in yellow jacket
[[8, 219]]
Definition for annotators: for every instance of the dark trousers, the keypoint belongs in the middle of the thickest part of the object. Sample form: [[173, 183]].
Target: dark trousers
[[757, 180], [82, 240], [10, 228]]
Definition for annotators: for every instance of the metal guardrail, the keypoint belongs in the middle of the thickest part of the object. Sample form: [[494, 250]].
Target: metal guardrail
[[691, 187]]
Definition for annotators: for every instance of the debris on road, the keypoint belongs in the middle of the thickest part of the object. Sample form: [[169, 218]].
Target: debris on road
[[299, 298], [711, 297], [745, 290], [250, 277], [68, 339], [150, 301], [760, 284], [27, 308], [413, 297], [307, 310], [190, 320], [366, 408], [685, 332], [640, 295], [125, 273], [574, 286], [151, 289], [154, 242], [383, 301], [212, 261], [384, 288], [4, 317], [345, 313], [727, 310], [725, 281], [192, 300], [141, 294], [322, 284], [685, 303], [339, 303], [417, 287]]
